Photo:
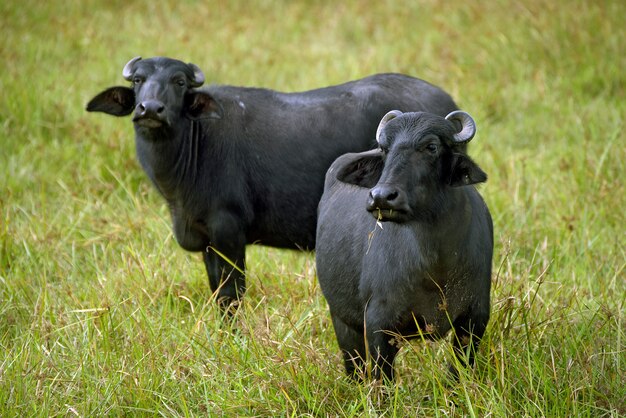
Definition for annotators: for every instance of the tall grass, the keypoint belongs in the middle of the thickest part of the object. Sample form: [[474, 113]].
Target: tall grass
[[101, 313]]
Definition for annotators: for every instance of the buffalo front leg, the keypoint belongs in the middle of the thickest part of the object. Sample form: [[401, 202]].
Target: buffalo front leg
[[382, 345], [226, 277], [382, 353], [352, 345], [224, 260], [468, 331]]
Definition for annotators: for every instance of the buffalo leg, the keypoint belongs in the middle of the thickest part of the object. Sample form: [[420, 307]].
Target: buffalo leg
[[226, 280], [468, 331], [224, 260], [352, 345], [381, 349], [383, 353]]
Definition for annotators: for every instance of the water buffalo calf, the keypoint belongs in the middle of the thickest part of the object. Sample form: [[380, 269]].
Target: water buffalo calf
[[243, 165], [405, 241]]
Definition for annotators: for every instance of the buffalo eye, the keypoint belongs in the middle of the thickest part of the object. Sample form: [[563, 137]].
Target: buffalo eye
[[181, 82], [432, 148], [137, 80]]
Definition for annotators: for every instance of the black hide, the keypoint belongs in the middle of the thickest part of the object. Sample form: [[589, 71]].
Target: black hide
[[404, 244], [243, 165]]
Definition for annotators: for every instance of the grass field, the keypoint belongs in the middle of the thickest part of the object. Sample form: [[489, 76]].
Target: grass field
[[101, 313]]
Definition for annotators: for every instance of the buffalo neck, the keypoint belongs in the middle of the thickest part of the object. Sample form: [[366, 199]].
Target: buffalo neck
[[170, 157], [453, 216], [445, 209]]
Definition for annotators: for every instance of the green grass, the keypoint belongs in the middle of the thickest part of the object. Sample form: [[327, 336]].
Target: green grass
[[101, 313]]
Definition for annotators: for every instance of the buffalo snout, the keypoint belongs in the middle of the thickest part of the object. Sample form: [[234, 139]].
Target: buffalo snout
[[387, 202], [150, 113]]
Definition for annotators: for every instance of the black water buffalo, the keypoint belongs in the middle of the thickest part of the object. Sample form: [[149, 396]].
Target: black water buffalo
[[405, 241], [246, 165]]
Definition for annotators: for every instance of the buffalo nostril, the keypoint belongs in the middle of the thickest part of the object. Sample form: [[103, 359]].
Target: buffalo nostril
[[383, 195], [151, 108], [392, 195]]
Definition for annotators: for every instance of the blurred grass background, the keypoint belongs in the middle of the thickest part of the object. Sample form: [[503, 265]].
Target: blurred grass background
[[101, 313]]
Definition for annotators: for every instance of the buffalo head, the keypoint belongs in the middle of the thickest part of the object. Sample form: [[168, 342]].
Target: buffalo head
[[163, 90], [421, 157]]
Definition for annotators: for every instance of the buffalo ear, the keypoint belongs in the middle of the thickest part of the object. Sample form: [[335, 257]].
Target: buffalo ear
[[364, 171], [464, 171], [116, 101], [201, 105]]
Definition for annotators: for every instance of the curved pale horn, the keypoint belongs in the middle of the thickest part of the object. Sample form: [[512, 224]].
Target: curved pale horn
[[127, 72], [390, 115], [468, 126], [198, 75]]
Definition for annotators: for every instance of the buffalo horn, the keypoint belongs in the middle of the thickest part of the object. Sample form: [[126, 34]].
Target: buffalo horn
[[468, 126], [127, 72], [198, 76], [390, 115]]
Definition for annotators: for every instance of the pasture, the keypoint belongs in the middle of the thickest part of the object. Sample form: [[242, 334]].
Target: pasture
[[101, 312]]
